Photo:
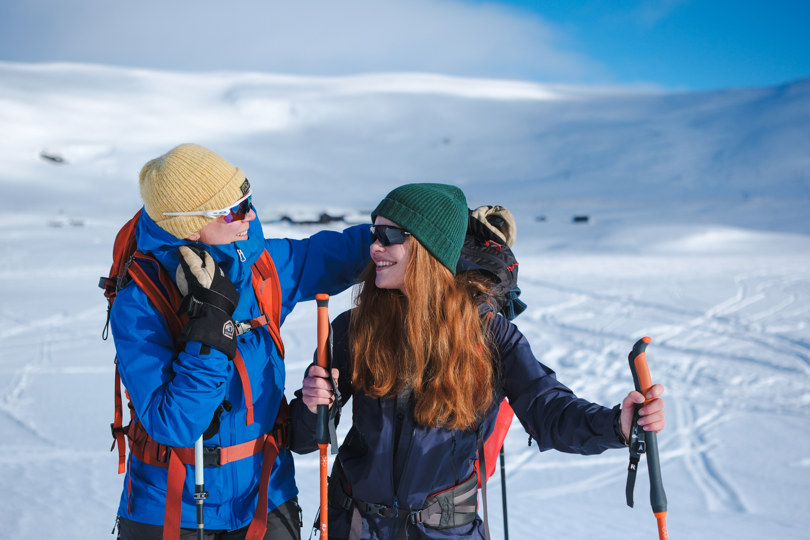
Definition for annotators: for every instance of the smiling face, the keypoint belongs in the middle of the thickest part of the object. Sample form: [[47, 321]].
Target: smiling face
[[391, 261], [219, 232]]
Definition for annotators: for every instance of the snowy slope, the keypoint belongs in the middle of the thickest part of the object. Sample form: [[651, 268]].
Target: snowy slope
[[698, 236]]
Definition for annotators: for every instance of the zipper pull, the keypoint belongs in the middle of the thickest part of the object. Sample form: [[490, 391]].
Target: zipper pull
[[241, 255]]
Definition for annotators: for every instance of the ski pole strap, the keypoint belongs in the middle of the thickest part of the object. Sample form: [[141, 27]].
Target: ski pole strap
[[637, 447], [334, 413]]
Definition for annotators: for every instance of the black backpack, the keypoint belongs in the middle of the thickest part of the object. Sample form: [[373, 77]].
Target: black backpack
[[486, 252]]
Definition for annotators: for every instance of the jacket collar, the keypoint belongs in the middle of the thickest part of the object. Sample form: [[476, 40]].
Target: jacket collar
[[163, 246]]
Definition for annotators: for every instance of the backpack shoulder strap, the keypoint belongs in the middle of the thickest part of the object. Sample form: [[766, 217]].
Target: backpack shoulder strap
[[155, 281], [268, 293]]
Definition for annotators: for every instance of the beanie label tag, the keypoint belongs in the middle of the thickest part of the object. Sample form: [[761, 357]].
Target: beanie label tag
[[245, 187]]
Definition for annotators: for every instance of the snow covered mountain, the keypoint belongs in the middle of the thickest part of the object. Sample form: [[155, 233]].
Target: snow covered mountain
[[697, 234]]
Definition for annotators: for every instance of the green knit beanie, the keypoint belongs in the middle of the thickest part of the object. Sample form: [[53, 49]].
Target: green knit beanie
[[436, 214]]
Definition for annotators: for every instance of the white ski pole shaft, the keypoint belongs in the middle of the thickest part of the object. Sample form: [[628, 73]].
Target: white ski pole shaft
[[199, 486]]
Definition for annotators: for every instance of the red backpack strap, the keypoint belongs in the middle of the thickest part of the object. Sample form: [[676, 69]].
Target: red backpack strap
[[117, 426], [241, 369], [268, 293], [123, 248], [492, 445], [153, 280], [175, 460], [159, 287]]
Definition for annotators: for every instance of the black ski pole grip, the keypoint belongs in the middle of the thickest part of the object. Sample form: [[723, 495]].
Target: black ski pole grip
[[643, 382], [658, 498], [322, 425]]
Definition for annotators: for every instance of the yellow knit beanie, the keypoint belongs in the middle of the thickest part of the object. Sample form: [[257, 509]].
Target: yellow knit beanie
[[189, 178]]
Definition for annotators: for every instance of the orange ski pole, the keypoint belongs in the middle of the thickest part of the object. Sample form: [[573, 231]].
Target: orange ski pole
[[322, 426], [646, 442]]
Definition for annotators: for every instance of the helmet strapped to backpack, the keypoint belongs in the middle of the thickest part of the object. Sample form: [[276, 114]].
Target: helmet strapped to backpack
[[491, 232]]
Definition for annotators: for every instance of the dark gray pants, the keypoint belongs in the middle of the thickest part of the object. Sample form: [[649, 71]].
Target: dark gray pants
[[283, 523]]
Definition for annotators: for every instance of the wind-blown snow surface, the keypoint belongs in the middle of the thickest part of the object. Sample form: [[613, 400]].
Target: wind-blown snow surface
[[698, 237]]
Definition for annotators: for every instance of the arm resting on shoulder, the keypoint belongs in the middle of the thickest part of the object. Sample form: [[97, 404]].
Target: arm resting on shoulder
[[327, 262]]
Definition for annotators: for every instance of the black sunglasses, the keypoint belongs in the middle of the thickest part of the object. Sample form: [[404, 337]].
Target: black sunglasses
[[388, 235]]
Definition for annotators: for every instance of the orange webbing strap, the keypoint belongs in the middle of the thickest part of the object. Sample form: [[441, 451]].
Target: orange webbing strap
[[118, 425], [239, 364], [175, 459], [175, 482], [268, 293], [258, 525]]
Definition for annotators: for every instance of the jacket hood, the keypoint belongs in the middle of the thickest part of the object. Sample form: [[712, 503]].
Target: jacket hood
[[163, 246]]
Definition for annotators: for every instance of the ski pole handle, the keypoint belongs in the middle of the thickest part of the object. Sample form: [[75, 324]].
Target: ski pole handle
[[322, 425], [643, 383]]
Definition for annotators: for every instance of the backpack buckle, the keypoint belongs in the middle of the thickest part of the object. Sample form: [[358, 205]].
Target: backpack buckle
[[163, 453], [211, 456], [116, 430], [380, 510], [107, 284]]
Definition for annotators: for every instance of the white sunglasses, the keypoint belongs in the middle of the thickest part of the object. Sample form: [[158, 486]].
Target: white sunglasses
[[235, 212]]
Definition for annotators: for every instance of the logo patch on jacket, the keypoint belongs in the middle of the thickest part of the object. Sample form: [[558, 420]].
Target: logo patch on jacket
[[228, 330]]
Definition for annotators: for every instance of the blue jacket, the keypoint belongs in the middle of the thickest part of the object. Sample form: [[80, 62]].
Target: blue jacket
[[430, 460], [175, 394]]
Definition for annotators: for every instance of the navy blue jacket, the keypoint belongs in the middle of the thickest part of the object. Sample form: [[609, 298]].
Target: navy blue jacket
[[430, 460]]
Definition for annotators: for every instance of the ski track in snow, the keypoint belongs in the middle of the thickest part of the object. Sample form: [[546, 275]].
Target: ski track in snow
[[736, 345], [717, 322], [14, 404]]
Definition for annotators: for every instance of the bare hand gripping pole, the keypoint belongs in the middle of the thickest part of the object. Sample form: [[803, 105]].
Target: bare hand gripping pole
[[642, 442]]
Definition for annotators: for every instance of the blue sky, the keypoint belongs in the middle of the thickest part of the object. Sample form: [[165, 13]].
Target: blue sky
[[673, 44], [687, 43]]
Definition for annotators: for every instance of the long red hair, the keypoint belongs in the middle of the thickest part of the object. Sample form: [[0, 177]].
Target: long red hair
[[431, 340]]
